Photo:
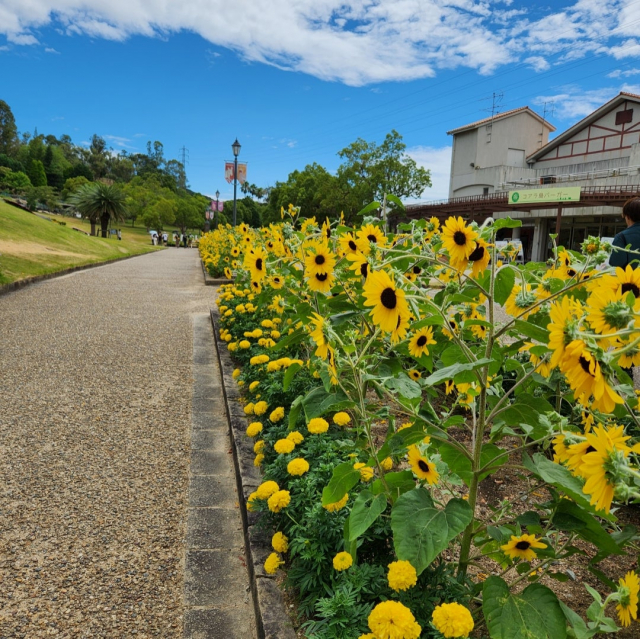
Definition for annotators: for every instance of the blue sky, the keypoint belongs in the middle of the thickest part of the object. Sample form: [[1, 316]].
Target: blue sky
[[297, 81]]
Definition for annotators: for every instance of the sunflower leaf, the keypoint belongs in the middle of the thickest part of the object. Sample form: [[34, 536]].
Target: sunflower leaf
[[505, 279], [344, 478], [448, 372], [366, 509]]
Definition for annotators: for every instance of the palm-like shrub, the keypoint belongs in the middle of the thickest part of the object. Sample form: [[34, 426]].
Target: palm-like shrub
[[100, 202]]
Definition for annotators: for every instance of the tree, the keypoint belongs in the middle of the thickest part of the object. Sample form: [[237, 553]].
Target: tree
[[160, 214], [189, 213], [371, 170], [100, 202], [8, 131], [72, 185], [36, 173], [13, 181], [41, 195]]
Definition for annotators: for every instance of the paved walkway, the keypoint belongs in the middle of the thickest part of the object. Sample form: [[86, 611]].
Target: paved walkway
[[96, 382]]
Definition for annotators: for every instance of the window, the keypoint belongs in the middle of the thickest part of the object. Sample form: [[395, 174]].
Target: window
[[624, 117], [485, 190], [548, 179]]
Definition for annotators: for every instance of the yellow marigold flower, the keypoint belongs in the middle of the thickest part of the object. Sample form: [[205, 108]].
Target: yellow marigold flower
[[266, 489], [393, 620], [249, 408], [627, 607], [318, 425], [258, 460], [279, 500], [254, 385], [283, 446], [254, 429], [259, 359], [342, 561], [260, 408], [452, 620], [521, 547], [341, 419], [298, 466], [402, 575], [273, 366], [251, 501], [275, 334], [258, 447], [236, 373], [366, 472], [280, 542], [295, 437], [267, 323], [232, 346], [422, 467], [337, 505], [367, 635], [387, 463], [244, 344], [277, 414], [272, 563]]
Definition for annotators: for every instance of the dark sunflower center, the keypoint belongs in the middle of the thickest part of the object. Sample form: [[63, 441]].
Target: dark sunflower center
[[460, 238], [322, 277], [571, 272], [628, 286], [585, 364], [477, 254], [276, 280], [320, 259], [372, 238], [523, 545], [590, 449], [328, 232], [364, 269], [352, 245], [422, 340], [417, 270], [423, 466], [256, 284], [388, 298], [259, 264]]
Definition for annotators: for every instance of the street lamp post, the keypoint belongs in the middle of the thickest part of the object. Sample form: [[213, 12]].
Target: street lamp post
[[215, 215], [236, 151]]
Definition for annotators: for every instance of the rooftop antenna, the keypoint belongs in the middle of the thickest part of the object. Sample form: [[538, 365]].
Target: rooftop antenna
[[549, 107], [496, 103]]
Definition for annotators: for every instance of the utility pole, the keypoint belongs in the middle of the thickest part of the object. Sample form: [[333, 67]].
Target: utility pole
[[185, 158]]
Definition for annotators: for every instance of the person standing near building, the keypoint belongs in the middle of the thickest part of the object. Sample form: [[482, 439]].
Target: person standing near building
[[630, 237]]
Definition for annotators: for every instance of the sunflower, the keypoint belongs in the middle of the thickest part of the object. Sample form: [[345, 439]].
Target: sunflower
[[400, 331], [521, 547], [227, 273], [625, 280], [256, 262], [276, 282], [479, 258], [244, 228], [370, 234], [422, 467], [388, 301], [317, 335], [629, 358], [520, 301], [319, 259], [627, 607], [348, 244], [543, 365], [584, 375], [321, 282], [414, 374], [458, 239], [359, 263], [608, 310], [420, 341], [235, 251], [564, 318], [309, 222], [326, 229], [432, 227]]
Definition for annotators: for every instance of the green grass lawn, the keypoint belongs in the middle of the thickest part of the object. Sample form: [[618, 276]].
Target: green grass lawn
[[32, 246]]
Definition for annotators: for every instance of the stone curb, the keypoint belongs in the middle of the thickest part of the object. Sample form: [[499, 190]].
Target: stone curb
[[213, 281], [14, 286], [271, 616]]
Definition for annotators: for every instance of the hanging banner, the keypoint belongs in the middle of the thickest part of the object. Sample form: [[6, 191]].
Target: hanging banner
[[216, 206], [228, 172], [242, 173]]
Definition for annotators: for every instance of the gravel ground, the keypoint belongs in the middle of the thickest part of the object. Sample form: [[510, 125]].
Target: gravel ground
[[95, 397]]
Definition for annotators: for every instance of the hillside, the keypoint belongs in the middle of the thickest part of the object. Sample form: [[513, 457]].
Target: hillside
[[31, 245]]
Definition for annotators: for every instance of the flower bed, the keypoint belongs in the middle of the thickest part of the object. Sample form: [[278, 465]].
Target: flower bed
[[384, 384]]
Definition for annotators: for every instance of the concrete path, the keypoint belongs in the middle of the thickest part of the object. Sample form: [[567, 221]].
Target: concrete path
[[97, 379]]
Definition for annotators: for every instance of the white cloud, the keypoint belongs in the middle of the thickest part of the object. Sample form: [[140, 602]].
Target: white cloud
[[50, 50], [352, 41], [438, 161], [618, 73], [119, 141], [573, 103], [4, 48]]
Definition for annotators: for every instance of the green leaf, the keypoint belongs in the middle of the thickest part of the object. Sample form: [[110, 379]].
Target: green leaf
[[290, 340], [533, 614], [344, 478], [395, 199], [294, 411], [398, 442], [460, 464], [506, 223], [290, 374], [505, 279], [531, 330], [398, 483], [317, 402], [366, 509], [448, 372], [561, 478], [404, 386], [370, 207], [421, 531]]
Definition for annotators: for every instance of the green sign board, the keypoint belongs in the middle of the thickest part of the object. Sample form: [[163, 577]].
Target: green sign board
[[531, 196]]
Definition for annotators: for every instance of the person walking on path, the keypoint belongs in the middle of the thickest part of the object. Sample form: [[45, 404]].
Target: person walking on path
[[630, 237]]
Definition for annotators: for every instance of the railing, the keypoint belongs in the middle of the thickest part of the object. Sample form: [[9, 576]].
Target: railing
[[544, 180]]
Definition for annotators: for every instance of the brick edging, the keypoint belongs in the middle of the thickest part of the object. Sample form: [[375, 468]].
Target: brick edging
[[18, 284], [271, 616], [212, 281]]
